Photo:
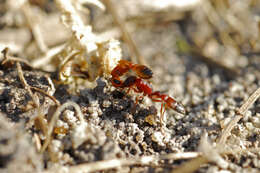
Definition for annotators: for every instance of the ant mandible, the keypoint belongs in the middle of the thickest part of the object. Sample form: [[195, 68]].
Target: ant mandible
[[141, 86]]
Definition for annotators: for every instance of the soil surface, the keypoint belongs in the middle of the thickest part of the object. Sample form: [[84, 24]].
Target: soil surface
[[199, 67]]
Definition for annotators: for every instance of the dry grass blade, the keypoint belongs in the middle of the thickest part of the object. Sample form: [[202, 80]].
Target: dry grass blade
[[7, 58], [46, 58], [67, 59], [208, 154], [37, 142], [26, 86], [30, 17], [48, 95], [114, 163], [20, 74], [234, 121], [191, 166]]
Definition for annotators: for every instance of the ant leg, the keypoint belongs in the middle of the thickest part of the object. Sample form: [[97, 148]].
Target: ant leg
[[156, 100], [138, 98], [128, 90], [161, 116], [162, 111], [162, 119]]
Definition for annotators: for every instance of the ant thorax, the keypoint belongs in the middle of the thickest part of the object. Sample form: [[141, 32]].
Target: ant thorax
[[144, 86]]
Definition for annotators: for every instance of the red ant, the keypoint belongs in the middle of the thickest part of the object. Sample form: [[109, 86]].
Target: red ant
[[141, 86]]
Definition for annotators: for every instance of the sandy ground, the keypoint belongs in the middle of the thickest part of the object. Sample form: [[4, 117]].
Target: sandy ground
[[210, 77]]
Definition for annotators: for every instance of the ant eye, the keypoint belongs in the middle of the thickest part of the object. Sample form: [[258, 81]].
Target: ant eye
[[116, 81]]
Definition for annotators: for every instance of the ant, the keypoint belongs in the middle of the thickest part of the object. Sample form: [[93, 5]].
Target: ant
[[139, 85]]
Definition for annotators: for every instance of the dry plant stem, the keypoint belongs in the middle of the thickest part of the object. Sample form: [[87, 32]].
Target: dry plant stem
[[48, 95], [177, 156], [114, 163], [30, 17], [26, 86], [150, 19], [37, 141], [126, 36], [34, 98], [191, 166], [234, 121], [67, 59], [17, 60], [44, 60], [52, 91], [8, 58], [55, 118]]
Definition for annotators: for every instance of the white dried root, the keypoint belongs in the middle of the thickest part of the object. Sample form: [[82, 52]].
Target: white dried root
[[208, 153], [86, 54], [211, 153]]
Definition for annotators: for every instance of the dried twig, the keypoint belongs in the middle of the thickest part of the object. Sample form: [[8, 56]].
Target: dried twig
[[37, 141], [234, 121], [126, 36], [30, 17], [114, 163], [52, 87], [26, 86], [45, 59], [39, 115], [20, 74], [191, 166], [48, 95], [67, 59], [209, 153], [8, 58], [34, 98]]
